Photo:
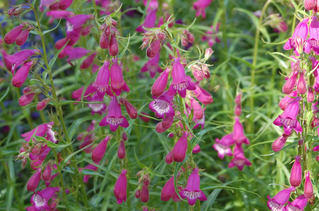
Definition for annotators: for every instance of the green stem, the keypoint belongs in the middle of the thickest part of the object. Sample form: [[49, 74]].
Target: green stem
[[250, 128]]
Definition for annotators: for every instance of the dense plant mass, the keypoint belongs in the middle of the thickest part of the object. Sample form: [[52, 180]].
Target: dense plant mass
[[159, 105]]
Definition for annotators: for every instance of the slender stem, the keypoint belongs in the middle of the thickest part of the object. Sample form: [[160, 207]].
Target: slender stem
[[253, 70]]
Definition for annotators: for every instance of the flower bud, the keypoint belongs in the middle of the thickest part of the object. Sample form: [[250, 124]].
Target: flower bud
[[121, 150], [34, 180], [296, 173], [308, 189]]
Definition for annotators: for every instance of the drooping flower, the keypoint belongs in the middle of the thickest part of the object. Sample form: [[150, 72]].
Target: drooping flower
[[298, 204], [99, 150], [238, 133], [298, 39], [121, 152], [288, 119], [34, 180], [308, 189], [102, 79], [279, 143], [168, 191], [192, 192], [296, 173], [163, 105], [180, 82], [160, 83], [42, 104], [117, 80], [284, 102], [310, 4], [280, 199], [120, 188], [88, 61], [44, 199], [152, 66], [202, 95], [114, 117], [239, 159], [222, 146], [180, 148], [21, 75], [200, 6]]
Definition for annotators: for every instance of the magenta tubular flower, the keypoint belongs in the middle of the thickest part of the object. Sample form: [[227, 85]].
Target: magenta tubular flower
[[196, 149], [163, 105], [12, 35], [310, 95], [313, 35], [192, 191], [57, 14], [120, 188], [42, 104], [40, 130], [160, 84], [12, 62], [23, 36], [117, 80], [279, 143], [149, 21], [88, 61], [152, 66], [144, 193], [297, 41], [280, 199], [296, 173], [169, 158], [222, 146], [130, 109], [21, 75], [44, 199], [180, 148], [168, 191], [88, 167], [200, 6], [99, 151], [113, 48], [164, 125], [179, 80], [46, 174], [290, 83], [102, 79], [34, 180], [239, 159], [154, 48], [284, 102], [121, 150], [26, 99], [301, 84], [288, 119], [105, 37], [238, 133], [64, 4], [202, 95], [299, 203], [308, 189], [114, 117], [310, 4], [198, 111], [77, 21]]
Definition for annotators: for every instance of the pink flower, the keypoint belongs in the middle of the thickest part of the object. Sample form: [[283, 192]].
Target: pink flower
[[144, 193], [288, 119], [102, 79], [239, 159], [308, 189], [99, 151], [113, 48], [313, 35], [120, 188], [180, 148], [168, 191], [180, 82], [222, 146], [280, 199], [12, 35], [279, 143], [21, 75], [114, 117], [152, 66], [88, 61], [284, 102], [160, 84], [200, 6], [290, 83], [34, 180], [121, 150], [42, 104], [163, 105], [57, 14], [196, 149], [298, 204], [310, 4], [12, 62], [298, 39], [238, 133], [130, 109], [296, 173], [149, 21], [192, 191], [44, 199], [202, 95], [117, 80]]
